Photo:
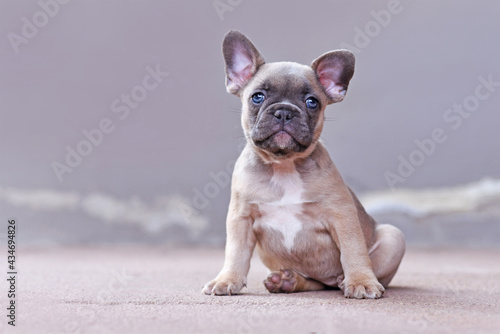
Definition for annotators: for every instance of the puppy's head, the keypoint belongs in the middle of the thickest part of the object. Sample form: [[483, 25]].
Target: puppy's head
[[284, 102]]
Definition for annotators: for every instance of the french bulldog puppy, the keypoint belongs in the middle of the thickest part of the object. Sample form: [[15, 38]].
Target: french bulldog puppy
[[287, 197]]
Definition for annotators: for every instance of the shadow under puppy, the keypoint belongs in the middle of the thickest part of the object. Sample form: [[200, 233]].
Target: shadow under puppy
[[287, 197]]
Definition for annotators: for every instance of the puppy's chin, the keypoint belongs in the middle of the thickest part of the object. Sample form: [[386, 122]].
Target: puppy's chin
[[280, 145]]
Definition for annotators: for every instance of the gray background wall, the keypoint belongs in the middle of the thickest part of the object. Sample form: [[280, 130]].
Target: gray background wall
[[140, 183]]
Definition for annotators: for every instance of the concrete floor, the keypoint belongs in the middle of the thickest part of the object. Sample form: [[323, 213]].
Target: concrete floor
[[157, 290]]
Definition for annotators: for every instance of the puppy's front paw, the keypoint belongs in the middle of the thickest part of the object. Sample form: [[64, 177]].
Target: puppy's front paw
[[223, 285], [361, 288]]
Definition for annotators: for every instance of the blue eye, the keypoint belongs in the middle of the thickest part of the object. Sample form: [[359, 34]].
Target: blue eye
[[312, 103], [258, 98]]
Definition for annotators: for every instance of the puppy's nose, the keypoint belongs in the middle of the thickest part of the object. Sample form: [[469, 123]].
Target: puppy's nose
[[283, 115]]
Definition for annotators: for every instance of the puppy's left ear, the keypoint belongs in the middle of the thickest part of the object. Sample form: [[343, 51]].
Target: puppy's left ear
[[334, 70]]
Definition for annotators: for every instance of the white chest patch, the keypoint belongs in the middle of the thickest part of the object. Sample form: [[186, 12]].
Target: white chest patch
[[282, 215]]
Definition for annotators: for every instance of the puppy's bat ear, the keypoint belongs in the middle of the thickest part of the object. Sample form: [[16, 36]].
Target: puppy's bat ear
[[242, 61], [334, 70]]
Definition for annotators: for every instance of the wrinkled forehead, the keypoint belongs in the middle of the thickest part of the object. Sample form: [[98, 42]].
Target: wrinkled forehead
[[286, 78]]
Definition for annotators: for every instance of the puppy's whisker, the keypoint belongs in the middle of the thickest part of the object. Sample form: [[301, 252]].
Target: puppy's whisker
[[323, 140], [231, 108]]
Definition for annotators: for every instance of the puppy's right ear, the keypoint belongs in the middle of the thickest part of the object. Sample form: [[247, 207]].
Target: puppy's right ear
[[242, 61]]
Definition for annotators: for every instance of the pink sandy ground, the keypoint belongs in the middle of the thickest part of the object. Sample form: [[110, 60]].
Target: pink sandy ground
[[130, 289]]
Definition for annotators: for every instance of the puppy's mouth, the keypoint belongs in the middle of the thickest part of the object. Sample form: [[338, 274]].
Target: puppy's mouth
[[280, 143], [282, 139]]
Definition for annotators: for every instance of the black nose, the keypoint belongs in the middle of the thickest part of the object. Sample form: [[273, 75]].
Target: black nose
[[283, 115]]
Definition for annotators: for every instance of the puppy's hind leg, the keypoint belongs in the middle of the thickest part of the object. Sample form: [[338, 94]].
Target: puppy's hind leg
[[387, 252], [286, 281]]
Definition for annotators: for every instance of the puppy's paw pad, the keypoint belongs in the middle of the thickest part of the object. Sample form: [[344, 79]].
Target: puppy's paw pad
[[283, 281]]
